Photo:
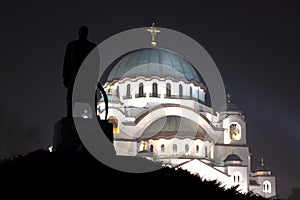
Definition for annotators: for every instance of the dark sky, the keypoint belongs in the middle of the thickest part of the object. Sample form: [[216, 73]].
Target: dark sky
[[254, 44]]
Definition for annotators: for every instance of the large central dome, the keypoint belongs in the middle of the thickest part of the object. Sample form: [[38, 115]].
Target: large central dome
[[151, 62]]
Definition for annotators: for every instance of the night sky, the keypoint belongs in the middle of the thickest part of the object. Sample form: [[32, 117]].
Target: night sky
[[255, 46]]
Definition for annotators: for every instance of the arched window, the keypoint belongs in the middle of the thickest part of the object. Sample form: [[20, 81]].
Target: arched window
[[186, 149], [235, 131], [154, 89], [162, 149], [151, 148], [118, 91], [142, 146], [191, 92], [180, 91], [128, 90], [237, 177], [168, 90], [174, 149], [141, 90], [205, 149], [267, 187], [198, 94], [197, 148]]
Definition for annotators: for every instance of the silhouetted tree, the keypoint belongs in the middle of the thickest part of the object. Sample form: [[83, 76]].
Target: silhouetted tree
[[72, 173], [15, 137]]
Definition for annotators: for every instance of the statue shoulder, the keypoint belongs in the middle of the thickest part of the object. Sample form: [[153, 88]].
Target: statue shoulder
[[70, 45], [92, 44]]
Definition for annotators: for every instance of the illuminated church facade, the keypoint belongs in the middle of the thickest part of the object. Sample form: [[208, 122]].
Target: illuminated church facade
[[159, 109]]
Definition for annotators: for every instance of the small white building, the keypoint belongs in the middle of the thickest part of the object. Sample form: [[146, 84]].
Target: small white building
[[158, 105]]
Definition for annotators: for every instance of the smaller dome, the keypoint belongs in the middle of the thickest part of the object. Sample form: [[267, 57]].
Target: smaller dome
[[229, 106], [232, 107], [262, 168], [174, 126], [233, 157]]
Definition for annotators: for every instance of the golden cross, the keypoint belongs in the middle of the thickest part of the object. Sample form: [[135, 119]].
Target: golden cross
[[153, 31]]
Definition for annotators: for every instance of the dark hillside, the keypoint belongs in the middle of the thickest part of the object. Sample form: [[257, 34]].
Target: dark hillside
[[71, 174]]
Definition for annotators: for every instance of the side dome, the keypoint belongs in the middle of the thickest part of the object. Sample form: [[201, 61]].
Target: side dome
[[149, 62], [174, 126], [262, 170], [232, 107], [232, 157], [229, 106]]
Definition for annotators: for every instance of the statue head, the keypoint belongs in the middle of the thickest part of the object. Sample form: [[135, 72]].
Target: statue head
[[83, 31]]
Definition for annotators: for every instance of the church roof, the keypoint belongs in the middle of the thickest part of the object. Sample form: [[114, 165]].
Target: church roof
[[232, 107], [253, 182], [174, 126], [149, 62], [262, 168], [229, 106], [232, 157]]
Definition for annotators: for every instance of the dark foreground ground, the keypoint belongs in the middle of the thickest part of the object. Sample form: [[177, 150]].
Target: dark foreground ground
[[42, 174]]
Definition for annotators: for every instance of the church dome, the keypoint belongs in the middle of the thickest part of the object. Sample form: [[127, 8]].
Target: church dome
[[232, 157], [229, 106], [262, 168], [232, 107], [150, 62], [174, 126]]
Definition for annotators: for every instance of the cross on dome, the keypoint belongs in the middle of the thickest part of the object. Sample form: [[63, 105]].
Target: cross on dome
[[153, 31]]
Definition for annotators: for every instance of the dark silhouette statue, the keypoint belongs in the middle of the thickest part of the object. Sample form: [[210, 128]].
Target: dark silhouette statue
[[76, 52], [66, 138]]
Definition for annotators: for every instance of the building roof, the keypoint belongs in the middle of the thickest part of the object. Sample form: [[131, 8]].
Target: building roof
[[149, 62], [253, 182], [174, 126], [232, 157], [232, 107], [229, 106], [262, 168]]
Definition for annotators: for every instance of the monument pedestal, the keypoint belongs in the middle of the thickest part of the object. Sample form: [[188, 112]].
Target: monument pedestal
[[66, 138]]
